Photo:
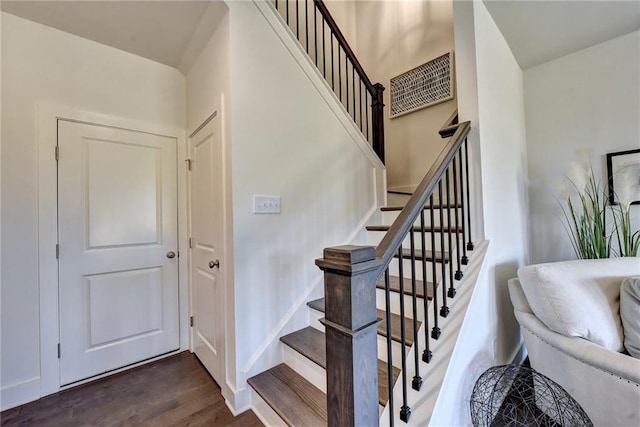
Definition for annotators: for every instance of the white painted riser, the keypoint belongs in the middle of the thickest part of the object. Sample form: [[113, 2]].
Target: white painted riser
[[395, 303], [374, 238], [389, 216], [313, 373], [406, 270], [315, 317]]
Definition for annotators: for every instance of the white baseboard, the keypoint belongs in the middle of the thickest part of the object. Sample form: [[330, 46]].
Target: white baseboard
[[19, 394], [237, 400]]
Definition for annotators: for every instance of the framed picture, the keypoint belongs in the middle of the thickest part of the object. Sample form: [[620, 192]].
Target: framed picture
[[428, 84], [623, 176]]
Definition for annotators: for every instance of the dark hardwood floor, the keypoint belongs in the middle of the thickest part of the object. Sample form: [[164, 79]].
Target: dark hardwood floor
[[176, 391]]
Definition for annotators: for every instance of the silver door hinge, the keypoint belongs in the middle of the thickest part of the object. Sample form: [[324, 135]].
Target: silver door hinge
[[190, 242], [58, 350], [188, 164], [191, 321], [57, 153], [57, 251]]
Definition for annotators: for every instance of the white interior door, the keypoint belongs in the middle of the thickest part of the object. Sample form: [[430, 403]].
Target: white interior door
[[206, 257], [118, 277]]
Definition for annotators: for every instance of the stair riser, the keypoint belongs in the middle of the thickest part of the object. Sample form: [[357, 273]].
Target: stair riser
[[374, 238], [395, 303], [389, 216], [382, 341], [406, 269], [312, 372], [262, 409], [396, 353]]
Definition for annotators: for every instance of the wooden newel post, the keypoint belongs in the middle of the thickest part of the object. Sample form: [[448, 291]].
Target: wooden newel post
[[350, 321], [377, 120]]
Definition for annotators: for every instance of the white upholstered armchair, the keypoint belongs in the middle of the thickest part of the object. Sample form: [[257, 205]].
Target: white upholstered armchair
[[569, 313]]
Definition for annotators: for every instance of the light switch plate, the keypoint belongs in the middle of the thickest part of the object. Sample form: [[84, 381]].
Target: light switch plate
[[266, 204]]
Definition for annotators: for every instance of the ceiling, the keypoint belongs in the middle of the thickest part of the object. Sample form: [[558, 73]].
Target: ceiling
[[538, 31], [169, 32], [174, 32]]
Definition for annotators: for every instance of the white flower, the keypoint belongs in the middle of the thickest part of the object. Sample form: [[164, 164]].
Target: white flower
[[579, 175], [628, 184]]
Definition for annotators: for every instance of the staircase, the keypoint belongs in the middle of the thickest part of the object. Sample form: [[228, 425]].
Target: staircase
[[374, 335], [299, 398]]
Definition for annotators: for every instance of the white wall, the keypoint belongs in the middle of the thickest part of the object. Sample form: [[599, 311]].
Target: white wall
[[392, 38], [344, 13], [288, 139], [490, 334], [208, 78], [208, 84], [585, 102], [41, 63]]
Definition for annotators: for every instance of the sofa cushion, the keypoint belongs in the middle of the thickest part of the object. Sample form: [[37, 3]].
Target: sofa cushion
[[580, 298], [630, 314]]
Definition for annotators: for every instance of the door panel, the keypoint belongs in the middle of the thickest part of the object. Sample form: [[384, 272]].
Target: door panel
[[117, 202], [206, 232]]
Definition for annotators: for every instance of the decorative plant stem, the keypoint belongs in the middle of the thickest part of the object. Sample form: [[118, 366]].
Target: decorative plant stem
[[586, 222]]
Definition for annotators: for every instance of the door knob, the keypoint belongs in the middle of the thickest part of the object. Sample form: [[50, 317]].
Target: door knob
[[171, 254], [215, 263]]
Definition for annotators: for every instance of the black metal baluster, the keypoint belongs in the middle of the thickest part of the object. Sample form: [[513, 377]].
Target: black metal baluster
[[287, 11], [366, 111], [339, 73], [297, 20], [416, 383], [324, 50], [332, 79], [353, 90], [455, 207], [435, 332], [466, 165], [346, 78], [315, 32], [452, 291], [360, 99], [444, 310], [426, 354], [306, 24], [387, 304], [464, 260], [276, 4], [405, 411]]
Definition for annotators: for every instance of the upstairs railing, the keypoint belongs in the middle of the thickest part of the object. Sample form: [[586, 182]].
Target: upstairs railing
[[351, 273], [318, 33]]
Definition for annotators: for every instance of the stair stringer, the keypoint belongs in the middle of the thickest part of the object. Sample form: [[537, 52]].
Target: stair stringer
[[423, 402], [290, 41], [270, 352]]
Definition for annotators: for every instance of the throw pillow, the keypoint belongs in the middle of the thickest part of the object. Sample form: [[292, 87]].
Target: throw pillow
[[580, 298], [630, 314]]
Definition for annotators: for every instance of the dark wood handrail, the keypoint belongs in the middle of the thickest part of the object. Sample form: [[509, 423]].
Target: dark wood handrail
[[402, 225], [449, 127], [322, 8]]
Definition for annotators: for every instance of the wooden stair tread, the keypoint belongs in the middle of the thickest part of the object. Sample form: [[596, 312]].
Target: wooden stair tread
[[427, 229], [439, 256], [435, 206], [382, 327], [295, 400], [394, 286], [311, 343]]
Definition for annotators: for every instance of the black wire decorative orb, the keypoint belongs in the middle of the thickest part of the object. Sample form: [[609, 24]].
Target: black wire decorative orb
[[516, 395]]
